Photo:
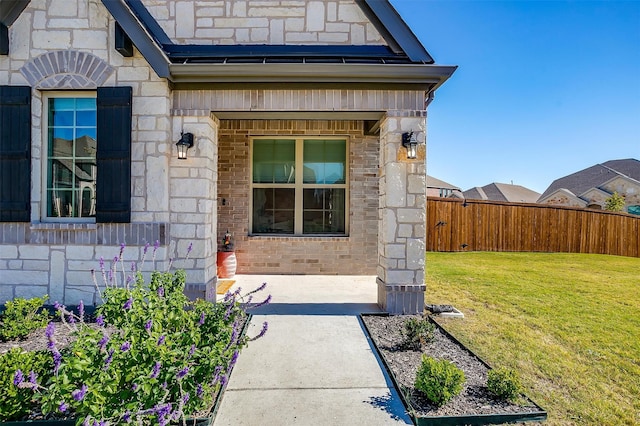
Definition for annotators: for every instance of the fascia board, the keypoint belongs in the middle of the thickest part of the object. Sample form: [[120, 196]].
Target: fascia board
[[11, 9], [312, 73], [394, 30], [619, 176], [586, 193], [155, 30], [143, 41], [566, 193]]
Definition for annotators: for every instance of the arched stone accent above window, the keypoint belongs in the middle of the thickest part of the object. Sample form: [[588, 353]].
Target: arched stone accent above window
[[66, 69]]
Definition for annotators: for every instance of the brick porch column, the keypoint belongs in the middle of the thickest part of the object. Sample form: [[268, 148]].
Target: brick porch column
[[402, 215]]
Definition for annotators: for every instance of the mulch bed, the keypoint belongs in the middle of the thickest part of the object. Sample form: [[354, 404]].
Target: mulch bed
[[475, 398]]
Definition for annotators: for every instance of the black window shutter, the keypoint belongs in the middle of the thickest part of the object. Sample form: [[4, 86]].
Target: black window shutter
[[113, 180], [15, 154]]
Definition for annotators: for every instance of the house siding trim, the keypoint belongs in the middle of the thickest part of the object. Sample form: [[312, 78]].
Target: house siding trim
[[188, 102], [108, 234]]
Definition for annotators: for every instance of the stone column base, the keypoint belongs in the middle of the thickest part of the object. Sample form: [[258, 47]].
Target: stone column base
[[205, 291], [401, 299], [211, 290]]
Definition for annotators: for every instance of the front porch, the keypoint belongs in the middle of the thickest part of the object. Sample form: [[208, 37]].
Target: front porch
[[314, 366]]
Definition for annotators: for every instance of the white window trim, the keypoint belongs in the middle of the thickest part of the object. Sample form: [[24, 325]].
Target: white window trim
[[299, 186], [46, 96]]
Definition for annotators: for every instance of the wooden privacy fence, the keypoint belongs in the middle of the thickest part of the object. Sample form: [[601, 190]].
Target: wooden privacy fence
[[474, 225]]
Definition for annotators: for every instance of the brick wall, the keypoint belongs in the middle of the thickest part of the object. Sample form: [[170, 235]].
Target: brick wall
[[351, 255]]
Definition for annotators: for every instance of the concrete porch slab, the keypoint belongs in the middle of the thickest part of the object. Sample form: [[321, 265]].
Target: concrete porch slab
[[314, 366]]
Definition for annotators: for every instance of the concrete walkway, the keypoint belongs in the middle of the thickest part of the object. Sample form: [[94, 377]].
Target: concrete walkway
[[315, 365]]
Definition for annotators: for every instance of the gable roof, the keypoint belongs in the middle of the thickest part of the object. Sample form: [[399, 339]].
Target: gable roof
[[502, 192], [437, 183], [564, 193], [404, 62], [628, 166], [475, 193], [595, 176]]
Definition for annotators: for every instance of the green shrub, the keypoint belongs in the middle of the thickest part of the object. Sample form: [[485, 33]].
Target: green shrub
[[158, 356], [417, 332], [615, 203], [439, 380], [504, 383], [17, 400], [21, 317], [153, 356]]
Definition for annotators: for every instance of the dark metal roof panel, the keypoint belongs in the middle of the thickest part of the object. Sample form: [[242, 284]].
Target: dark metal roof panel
[[181, 53]]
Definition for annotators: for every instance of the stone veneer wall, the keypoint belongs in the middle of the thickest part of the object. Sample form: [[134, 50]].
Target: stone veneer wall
[[401, 228], [264, 22], [68, 45], [193, 191], [352, 255]]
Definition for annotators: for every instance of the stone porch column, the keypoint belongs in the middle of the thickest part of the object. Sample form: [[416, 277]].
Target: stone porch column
[[402, 215], [193, 195]]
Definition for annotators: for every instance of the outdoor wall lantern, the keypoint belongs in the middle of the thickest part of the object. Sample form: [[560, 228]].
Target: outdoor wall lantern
[[185, 142], [410, 142]]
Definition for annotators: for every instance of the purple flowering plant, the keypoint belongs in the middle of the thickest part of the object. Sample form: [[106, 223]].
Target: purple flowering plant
[[21, 376], [155, 356]]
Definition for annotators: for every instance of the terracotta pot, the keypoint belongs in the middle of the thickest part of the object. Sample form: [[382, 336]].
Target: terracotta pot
[[227, 264]]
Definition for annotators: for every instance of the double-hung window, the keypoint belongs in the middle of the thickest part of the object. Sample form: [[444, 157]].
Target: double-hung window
[[299, 186], [70, 186], [70, 164]]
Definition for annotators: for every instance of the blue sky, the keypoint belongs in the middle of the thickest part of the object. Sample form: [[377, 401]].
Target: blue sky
[[543, 88]]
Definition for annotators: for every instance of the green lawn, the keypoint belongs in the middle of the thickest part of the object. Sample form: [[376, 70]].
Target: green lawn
[[569, 323]]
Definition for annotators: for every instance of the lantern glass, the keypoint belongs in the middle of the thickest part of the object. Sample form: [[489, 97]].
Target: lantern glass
[[410, 142], [411, 150], [185, 142], [182, 150]]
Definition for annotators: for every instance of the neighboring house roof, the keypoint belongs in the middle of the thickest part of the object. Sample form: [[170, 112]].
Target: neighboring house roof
[[475, 193], [502, 192], [567, 197], [437, 183], [629, 167], [404, 61], [595, 176]]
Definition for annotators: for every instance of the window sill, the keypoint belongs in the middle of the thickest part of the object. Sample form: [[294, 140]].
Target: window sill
[[276, 237]]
